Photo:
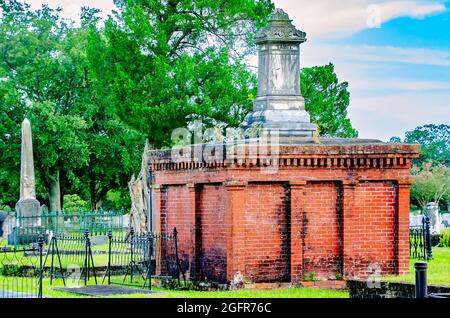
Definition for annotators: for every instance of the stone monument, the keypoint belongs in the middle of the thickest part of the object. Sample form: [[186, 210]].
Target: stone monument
[[279, 105], [335, 208], [28, 208]]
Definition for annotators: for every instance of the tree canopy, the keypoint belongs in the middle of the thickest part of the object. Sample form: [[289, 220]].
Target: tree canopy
[[46, 75], [173, 61], [94, 94], [435, 141], [327, 101], [431, 184]]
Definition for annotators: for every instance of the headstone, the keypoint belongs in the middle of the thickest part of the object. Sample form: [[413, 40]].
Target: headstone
[[433, 213], [415, 220], [279, 105], [3, 217], [445, 221]]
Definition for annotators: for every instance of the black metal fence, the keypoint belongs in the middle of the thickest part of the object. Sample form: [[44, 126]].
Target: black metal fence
[[24, 230], [420, 241], [129, 260], [125, 259], [21, 271], [133, 260]]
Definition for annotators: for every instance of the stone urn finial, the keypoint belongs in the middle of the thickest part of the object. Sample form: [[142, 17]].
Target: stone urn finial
[[280, 29]]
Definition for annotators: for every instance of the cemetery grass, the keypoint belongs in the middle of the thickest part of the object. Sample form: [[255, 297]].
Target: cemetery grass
[[438, 269], [50, 292]]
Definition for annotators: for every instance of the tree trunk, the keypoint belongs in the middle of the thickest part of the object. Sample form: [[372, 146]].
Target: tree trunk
[[54, 195], [93, 193]]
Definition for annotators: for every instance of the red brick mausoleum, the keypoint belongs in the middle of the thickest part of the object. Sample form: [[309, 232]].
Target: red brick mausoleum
[[330, 208]]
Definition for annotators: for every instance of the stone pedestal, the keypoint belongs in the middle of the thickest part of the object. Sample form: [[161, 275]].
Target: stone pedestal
[[28, 212], [279, 105], [338, 209]]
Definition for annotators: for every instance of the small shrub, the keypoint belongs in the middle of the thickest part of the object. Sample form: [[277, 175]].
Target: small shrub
[[435, 239], [13, 270], [309, 277], [445, 238], [170, 284]]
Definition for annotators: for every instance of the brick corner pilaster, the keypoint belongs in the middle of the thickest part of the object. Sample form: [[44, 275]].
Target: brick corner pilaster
[[235, 220], [296, 222]]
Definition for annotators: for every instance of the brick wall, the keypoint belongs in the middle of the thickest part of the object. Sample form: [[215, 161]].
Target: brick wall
[[375, 228], [322, 230], [174, 214], [267, 233], [213, 244], [331, 217]]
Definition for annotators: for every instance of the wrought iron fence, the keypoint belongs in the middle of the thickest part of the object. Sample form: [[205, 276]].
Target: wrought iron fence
[[420, 241], [24, 230], [133, 260], [21, 271], [124, 259], [121, 258]]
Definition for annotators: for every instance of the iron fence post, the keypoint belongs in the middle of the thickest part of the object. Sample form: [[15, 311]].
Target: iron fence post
[[421, 279], [109, 256], [86, 256], [132, 252], [429, 250], [41, 247], [149, 265]]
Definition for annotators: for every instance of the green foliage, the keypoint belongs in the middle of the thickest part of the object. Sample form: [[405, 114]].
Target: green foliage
[[435, 141], [48, 78], [310, 277], [116, 200], [431, 184], [445, 238], [327, 101], [16, 270], [73, 203], [170, 62]]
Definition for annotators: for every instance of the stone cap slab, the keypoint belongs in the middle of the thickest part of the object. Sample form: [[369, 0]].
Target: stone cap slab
[[301, 152]]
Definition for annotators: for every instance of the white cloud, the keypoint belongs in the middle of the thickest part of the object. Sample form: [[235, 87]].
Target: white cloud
[[72, 8], [385, 116], [327, 19], [317, 53]]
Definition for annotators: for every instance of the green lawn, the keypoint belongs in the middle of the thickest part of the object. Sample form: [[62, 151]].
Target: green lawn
[[49, 291], [438, 269]]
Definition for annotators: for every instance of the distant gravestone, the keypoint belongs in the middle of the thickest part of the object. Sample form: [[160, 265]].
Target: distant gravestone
[[435, 220], [3, 217], [415, 220]]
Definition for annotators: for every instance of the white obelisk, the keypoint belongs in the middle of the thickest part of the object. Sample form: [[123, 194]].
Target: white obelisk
[[27, 205]]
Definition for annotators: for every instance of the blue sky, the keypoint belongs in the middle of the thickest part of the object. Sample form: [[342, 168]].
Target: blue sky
[[395, 55]]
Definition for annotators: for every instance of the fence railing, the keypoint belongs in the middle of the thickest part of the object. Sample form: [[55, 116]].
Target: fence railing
[[24, 230], [121, 258], [21, 271], [420, 241], [126, 259]]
